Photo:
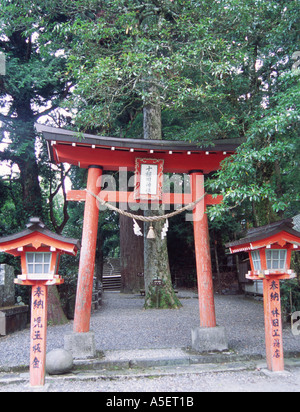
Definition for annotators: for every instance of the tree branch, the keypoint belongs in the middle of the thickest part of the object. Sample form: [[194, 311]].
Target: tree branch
[[5, 119], [4, 45], [63, 95], [59, 227]]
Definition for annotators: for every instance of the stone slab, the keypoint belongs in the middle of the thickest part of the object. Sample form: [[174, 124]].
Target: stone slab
[[81, 345], [13, 319], [7, 286], [209, 339]]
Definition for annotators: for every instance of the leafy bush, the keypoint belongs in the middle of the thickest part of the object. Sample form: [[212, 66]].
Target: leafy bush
[[290, 297]]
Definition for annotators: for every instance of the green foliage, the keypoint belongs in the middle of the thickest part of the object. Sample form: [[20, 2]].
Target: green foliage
[[290, 297], [34, 85], [265, 170], [221, 69], [126, 44]]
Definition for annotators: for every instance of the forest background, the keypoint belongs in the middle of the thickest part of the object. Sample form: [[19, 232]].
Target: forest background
[[211, 69]]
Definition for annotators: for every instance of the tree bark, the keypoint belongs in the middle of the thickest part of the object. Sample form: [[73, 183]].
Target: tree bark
[[24, 134], [132, 258], [152, 117], [56, 315], [157, 267], [156, 259], [32, 199]]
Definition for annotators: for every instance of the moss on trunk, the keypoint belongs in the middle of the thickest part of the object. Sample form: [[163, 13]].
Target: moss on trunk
[[157, 267], [161, 297]]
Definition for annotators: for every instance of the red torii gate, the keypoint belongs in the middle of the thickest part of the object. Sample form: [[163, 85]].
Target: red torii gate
[[99, 154]]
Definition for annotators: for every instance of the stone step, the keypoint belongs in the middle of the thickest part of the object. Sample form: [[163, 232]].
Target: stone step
[[111, 282]]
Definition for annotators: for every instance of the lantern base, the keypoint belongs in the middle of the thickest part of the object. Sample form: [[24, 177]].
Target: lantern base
[[209, 339], [81, 345], [280, 274], [271, 374]]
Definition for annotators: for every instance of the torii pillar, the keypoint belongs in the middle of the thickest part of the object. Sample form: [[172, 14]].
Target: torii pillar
[[208, 336], [82, 341]]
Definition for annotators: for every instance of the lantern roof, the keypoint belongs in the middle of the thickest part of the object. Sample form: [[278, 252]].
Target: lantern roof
[[84, 150], [37, 235], [281, 232]]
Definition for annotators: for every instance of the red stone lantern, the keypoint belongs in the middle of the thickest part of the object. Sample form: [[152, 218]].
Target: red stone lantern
[[270, 248], [40, 251]]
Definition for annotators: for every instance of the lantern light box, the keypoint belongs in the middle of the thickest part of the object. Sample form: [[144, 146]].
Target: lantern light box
[[270, 249], [40, 251]]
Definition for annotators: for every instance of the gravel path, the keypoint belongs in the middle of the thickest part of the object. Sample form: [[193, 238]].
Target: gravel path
[[191, 385], [122, 323]]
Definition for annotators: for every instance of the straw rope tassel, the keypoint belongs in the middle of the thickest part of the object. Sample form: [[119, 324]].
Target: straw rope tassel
[[136, 228], [165, 230], [151, 233]]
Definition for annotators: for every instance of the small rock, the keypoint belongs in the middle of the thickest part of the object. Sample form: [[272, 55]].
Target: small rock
[[132, 364], [58, 362]]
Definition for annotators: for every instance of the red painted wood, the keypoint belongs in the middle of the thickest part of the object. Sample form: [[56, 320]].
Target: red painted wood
[[38, 334], [36, 239], [173, 163], [273, 325], [280, 275], [128, 197], [87, 256], [54, 282], [76, 195], [138, 178], [282, 240], [203, 257]]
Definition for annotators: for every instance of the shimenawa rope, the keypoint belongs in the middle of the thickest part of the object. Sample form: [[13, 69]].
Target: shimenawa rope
[[150, 219]]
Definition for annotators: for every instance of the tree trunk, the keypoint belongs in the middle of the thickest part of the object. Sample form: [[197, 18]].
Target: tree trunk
[[56, 315], [132, 258], [25, 134], [157, 267], [156, 259], [152, 118], [32, 199], [217, 262]]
